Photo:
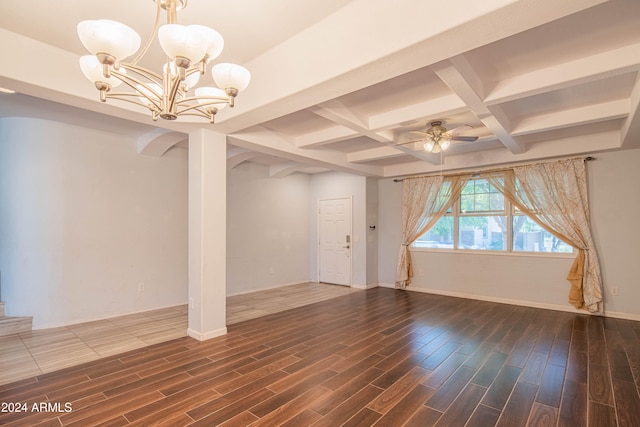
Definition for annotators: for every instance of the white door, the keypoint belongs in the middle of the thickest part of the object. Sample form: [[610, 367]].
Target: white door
[[335, 241]]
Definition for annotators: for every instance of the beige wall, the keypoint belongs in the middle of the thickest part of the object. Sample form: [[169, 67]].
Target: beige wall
[[267, 229], [84, 220], [539, 281]]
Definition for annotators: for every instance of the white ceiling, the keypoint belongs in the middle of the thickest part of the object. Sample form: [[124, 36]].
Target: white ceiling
[[338, 84]]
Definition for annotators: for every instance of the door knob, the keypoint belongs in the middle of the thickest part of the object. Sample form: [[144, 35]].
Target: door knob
[[346, 247]]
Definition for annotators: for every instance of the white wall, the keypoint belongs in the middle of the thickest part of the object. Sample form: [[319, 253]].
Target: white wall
[[372, 233], [337, 185], [268, 229], [538, 281], [84, 220], [614, 180]]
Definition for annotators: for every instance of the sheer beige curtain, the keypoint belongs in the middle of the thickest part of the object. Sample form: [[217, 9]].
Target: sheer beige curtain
[[554, 195], [424, 201]]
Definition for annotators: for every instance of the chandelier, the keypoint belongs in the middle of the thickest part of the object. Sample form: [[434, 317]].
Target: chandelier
[[438, 138], [167, 94]]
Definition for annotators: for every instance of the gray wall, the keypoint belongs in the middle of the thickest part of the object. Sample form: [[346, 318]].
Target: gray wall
[[534, 280], [84, 220], [268, 229]]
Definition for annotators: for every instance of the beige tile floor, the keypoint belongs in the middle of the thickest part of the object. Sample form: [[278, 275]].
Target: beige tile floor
[[45, 350]]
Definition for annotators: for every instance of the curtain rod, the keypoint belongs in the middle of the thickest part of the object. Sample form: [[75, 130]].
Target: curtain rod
[[505, 168]]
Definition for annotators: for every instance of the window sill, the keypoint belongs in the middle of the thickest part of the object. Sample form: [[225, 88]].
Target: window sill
[[560, 255]]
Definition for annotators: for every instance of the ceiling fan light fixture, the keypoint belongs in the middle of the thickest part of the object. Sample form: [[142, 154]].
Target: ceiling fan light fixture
[[428, 146], [444, 144]]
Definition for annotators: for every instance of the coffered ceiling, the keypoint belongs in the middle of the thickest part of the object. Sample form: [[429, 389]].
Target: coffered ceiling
[[339, 85]]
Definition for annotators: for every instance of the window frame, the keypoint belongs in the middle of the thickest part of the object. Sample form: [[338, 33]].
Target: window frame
[[509, 213]]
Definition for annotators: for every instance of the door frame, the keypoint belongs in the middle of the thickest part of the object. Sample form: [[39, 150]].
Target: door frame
[[318, 251]]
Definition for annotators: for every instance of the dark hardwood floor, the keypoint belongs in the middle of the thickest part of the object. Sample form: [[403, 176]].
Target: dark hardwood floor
[[379, 357]]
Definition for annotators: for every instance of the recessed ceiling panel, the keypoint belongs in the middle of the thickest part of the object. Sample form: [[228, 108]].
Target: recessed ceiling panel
[[597, 29], [391, 161], [407, 89], [352, 145], [298, 123], [596, 92], [587, 129]]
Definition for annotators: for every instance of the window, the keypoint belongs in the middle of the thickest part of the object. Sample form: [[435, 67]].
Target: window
[[483, 220]]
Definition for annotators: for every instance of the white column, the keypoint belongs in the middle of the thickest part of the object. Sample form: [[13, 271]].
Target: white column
[[207, 234]]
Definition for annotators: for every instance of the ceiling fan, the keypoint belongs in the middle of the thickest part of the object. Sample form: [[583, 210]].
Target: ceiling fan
[[437, 138]]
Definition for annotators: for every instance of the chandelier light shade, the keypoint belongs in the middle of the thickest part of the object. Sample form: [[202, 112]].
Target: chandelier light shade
[[167, 94], [231, 76], [93, 70], [204, 93], [108, 37], [215, 42], [179, 41]]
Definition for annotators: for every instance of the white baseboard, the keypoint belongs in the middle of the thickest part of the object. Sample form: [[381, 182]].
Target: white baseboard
[[532, 304], [618, 315], [270, 287], [203, 336], [387, 285], [365, 287]]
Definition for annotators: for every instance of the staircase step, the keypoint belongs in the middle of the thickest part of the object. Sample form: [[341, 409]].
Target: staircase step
[[14, 325]]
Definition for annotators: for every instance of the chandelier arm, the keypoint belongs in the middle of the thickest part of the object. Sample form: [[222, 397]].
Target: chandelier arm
[[127, 79], [156, 24], [147, 74], [170, 91], [195, 112], [200, 113], [200, 67], [129, 97], [189, 109], [211, 100]]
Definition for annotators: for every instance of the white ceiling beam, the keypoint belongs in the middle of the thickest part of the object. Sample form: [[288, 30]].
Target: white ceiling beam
[[572, 117], [324, 136], [344, 115], [572, 146], [237, 155], [441, 106], [265, 141], [63, 81], [158, 142], [340, 114], [464, 82], [285, 169], [281, 85], [631, 127], [371, 154], [583, 70]]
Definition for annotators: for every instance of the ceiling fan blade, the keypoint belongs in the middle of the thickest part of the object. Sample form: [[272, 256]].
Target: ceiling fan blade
[[411, 142], [459, 129], [464, 138]]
